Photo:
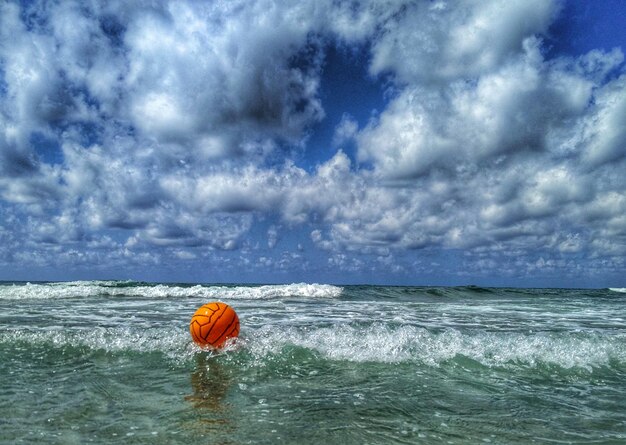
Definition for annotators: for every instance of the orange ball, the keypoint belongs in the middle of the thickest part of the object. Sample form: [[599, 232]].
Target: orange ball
[[214, 323]]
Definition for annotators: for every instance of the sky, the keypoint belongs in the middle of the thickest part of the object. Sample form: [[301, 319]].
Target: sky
[[267, 141]]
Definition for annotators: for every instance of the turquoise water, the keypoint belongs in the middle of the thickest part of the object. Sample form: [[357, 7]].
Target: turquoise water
[[112, 362]]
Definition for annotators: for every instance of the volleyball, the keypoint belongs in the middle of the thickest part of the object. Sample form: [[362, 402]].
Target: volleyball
[[214, 323]]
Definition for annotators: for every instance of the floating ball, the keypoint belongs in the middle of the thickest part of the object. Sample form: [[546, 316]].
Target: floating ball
[[214, 323]]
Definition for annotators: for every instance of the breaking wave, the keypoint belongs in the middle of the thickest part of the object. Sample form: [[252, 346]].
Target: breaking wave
[[356, 343], [78, 289], [381, 343]]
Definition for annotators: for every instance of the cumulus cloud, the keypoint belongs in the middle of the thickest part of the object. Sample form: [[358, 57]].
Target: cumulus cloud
[[175, 131], [222, 81], [512, 110], [606, 133], [345, 131], [435, 42]]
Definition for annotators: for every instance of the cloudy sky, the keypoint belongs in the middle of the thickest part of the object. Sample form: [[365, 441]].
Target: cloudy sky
[[422, 142]]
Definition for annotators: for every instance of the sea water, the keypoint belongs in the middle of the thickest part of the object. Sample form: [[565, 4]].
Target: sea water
[[113, 362]]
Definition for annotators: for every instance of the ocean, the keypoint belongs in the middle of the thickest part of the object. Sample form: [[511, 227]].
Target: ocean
[[113, 362]]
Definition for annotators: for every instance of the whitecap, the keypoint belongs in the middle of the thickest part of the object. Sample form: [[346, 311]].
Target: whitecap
[[382, 343], [86, 289]]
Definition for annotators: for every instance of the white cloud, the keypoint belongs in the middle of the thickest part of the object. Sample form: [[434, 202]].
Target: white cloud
[[221, 76], [444, 41], [519, 107], [272, 237], [345, 131], [605, 128], [180, 126]]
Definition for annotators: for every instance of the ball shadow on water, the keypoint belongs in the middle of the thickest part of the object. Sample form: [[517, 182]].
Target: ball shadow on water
[[212, 418]]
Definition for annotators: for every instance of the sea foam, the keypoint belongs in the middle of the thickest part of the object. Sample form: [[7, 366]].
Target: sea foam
[[376, 343], [381, 343], [85, 289]]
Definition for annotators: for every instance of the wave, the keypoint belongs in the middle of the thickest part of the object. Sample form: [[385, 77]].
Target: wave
[[618, 289], [78, 289], [174, 343], [477, 289], [378, 343], [381, 343]]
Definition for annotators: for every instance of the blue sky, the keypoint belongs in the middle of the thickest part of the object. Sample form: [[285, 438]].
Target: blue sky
[[408, 142]]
